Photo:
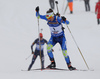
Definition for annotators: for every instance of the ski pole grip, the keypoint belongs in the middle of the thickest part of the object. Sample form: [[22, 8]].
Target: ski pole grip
[[56, 2]]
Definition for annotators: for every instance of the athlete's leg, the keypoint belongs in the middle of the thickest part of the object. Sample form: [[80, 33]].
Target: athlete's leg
[[70, 7], [42, 59], [64, 50], [50, 44], [33, 60]]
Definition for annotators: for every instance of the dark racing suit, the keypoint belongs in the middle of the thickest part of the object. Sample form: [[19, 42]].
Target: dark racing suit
[[37, 52]]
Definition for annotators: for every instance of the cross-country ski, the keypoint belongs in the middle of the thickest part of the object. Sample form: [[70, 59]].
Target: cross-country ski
[[57, 69]]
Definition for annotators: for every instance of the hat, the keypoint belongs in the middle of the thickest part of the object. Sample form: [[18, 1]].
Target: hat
[[49, 11], [40, 34]]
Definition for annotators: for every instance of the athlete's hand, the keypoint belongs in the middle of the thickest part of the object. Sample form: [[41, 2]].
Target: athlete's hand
[[63, 18], [37, 9], [52, 50], [32, 52]]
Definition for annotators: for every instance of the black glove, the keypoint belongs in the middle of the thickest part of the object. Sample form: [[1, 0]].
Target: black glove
[[63, 18], [58, 14], [37, 9], [32, 52]]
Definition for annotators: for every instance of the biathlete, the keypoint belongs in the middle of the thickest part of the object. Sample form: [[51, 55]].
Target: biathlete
[[57, 36], [38, 42]]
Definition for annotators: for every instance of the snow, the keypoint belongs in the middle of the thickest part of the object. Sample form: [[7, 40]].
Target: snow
[[19, 28]]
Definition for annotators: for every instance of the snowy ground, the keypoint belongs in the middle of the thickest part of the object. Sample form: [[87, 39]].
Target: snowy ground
[[18, 29]]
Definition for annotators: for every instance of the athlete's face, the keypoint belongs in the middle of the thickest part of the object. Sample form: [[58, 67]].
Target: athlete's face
[[41, 38], [50, 16]]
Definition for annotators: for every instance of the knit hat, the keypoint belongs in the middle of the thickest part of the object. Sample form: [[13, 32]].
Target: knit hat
[[40, 34]]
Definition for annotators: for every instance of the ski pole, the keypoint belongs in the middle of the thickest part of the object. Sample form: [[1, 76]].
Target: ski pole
[[57, 6], [58, 13], [77, 47], [28, 57], [39, 42]]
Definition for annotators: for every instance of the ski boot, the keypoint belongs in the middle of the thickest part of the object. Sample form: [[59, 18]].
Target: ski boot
[[52, 65], [29, 69], [71, 68]]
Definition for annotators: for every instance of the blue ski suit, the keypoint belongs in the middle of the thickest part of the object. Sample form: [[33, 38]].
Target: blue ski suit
[[57, 36]]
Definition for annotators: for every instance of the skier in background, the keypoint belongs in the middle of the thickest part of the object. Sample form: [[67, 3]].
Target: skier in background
[[87, 5], [97, 11], [52, 3], [38, 42], [70, 5], [57, 36]]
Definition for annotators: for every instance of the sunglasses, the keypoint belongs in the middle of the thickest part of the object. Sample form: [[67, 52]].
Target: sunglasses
[[49, 15]]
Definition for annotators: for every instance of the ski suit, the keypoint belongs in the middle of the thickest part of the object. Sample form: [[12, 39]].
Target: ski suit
[[97, 9], [57, 36], [37, 51]]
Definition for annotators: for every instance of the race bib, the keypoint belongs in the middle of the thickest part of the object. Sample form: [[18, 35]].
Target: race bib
[[38, 47], [56, 30]]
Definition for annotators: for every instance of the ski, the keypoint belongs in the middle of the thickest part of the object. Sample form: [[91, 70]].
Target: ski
[[58, 69], [68, 69]]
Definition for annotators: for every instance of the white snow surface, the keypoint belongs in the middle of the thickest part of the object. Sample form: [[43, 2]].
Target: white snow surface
[[19, 28]]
